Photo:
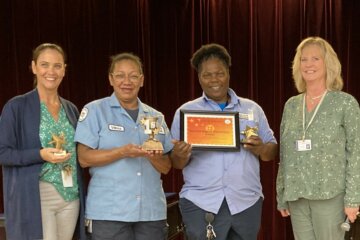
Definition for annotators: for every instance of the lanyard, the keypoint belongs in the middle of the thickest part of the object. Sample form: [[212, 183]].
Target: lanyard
[[313, 116]]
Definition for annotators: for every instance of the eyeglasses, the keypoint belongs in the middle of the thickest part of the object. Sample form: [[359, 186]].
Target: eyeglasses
[[209, 75], [120, 77]]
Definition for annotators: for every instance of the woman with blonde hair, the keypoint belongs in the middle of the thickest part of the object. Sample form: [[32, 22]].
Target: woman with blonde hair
[[319, 174]]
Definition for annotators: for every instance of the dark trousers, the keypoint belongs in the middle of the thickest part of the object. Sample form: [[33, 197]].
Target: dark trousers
[[242, 226], [116, 230]]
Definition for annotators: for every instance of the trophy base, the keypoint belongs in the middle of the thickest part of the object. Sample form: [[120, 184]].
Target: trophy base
[[60, 154], [152, 145]]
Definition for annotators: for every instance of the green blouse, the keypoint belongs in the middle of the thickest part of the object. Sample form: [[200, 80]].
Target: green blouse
[[51, 172], [332, 166]]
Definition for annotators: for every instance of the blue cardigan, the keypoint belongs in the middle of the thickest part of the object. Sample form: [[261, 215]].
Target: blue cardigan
[[21, 162]]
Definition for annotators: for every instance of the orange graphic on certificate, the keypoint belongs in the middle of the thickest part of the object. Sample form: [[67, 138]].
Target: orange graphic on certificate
[[212, 130]]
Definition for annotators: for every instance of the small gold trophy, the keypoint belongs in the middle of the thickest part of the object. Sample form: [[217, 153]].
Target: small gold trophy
[[58, 141], [66, 169], [152, 127], [250, 131]]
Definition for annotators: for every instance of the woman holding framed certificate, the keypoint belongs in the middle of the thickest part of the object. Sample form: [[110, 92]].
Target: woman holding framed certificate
[[222, 194]]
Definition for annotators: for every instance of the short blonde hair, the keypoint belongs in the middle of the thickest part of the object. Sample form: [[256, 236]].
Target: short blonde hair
[[333, 79]]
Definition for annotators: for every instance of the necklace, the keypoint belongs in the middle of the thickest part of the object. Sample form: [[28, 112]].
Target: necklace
[[312, 99]]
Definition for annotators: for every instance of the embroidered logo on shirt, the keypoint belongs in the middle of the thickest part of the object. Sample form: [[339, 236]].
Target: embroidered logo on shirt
[[83, 114], [116, 128], [162, 131]]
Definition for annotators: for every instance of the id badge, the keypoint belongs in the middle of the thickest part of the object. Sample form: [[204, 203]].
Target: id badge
[[67, 178], [303, 145]]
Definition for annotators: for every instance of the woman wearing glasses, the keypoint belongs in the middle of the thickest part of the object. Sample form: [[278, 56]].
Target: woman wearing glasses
[[125, 196]]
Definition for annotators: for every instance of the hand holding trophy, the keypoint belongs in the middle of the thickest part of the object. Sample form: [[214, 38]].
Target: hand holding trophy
[[152, 126], [252, 142], [66, 170], [58, 141], [249, 132]]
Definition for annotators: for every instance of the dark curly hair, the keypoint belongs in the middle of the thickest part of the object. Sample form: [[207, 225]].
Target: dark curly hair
[[208, 51]]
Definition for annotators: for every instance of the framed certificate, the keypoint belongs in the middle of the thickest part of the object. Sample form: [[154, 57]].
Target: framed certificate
[[210, 130]]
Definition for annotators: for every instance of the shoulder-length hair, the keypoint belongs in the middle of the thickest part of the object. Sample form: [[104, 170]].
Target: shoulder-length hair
[[333, 77]]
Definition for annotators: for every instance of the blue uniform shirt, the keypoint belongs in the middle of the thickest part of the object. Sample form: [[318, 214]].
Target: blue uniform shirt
[[130, 189], [211, 176]]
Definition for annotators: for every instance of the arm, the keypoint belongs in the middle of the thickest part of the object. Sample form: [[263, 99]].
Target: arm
[[264, 145], [352, 188], [15, 148], [89, 157], [160, 162], [282, 205], [180, 155], [266, 151]]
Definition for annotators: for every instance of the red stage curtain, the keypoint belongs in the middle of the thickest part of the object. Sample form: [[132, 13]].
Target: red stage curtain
[[261, 36]]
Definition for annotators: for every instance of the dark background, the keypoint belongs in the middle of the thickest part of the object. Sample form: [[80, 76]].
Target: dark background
[[261, 36]]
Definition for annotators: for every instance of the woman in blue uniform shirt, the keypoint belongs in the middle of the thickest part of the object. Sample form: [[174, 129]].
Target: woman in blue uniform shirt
[[125, 196]]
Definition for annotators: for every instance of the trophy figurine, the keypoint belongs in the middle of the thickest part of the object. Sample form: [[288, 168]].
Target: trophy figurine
[[250, 131], [58, 141], [151, 128]]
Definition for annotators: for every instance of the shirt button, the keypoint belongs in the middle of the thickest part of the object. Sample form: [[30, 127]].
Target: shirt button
[[139, 173], [138, 197]]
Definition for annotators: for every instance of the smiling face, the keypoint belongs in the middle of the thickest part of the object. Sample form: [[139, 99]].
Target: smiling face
[[126, 80], [312, 65], [214, 79], [49, 69]]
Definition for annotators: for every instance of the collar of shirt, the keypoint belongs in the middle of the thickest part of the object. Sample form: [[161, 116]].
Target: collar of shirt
[[233, 98]]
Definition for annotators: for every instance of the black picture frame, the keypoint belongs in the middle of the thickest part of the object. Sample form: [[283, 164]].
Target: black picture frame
[[209, 136]]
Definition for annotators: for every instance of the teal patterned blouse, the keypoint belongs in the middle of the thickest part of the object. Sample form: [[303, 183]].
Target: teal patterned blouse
[[332, 166], [51, 172]]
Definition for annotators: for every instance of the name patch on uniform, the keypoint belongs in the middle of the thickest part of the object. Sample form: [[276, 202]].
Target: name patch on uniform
[[83, 114], [116, 128], [248, 116]]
